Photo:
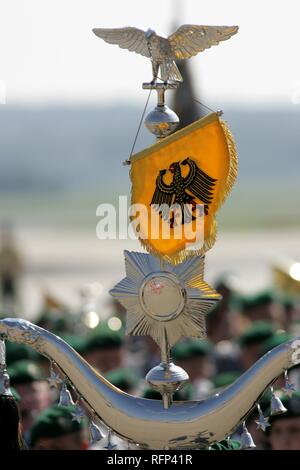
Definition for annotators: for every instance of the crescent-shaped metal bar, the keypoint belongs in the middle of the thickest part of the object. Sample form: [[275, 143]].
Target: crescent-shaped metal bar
[[185, 425]]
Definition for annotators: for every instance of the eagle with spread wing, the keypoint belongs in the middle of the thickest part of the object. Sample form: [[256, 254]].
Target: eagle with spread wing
[[186, 42], [198, 184]]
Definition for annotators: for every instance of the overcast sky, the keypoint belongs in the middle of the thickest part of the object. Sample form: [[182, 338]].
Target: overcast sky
[[48, 52]]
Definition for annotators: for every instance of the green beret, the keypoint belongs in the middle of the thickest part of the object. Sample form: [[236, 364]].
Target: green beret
[[185, 393], [265, 400], [258, 332], [16, 352], [190, 349], [54, 422], [103, 338], [262, 298], [288, 302], [76, 342], [245, 303], [225, 379], [236, 301], [292, 404], [122, 378], [275, 340], [58, 323], [25, 371]]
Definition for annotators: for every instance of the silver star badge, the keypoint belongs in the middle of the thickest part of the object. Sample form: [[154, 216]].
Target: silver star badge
[[262, 423], [288, 389], [78, 414], [54, 379]]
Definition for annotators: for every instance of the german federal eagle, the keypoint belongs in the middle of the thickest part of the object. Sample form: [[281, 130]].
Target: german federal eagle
[[186, 42], [198, 184]]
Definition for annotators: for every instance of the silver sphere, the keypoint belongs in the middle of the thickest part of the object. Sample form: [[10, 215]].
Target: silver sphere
[[162, 121], [167, 378]]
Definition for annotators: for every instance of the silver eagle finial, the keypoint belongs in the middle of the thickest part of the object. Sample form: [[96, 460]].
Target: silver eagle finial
[[186, 42]]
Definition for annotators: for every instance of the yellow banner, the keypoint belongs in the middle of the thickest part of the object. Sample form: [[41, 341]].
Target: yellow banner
[[195, 166]]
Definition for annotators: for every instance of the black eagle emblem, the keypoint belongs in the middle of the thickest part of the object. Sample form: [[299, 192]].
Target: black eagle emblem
[[182, 192]]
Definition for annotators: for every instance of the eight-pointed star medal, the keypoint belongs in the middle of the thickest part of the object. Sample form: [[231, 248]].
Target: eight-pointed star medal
[[168, 300]]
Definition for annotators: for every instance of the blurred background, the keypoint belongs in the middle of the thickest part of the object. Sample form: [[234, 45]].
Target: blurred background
[[70, 108]]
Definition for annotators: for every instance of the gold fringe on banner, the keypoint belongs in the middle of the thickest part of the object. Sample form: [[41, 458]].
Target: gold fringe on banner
[[183, 253]]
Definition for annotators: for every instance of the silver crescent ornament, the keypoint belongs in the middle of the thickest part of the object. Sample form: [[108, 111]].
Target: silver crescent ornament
[[186, 424]]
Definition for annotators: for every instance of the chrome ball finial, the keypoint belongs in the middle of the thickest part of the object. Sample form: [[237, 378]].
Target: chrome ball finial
[[162, 121], [167, 378]]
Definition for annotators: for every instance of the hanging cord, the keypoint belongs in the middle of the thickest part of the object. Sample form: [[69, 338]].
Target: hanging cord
[[219, 112], [127, 162]]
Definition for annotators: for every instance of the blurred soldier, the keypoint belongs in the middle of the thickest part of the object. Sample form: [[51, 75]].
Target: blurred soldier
[[219, 324], [75, 341], [284, 433], [225, 379], [290, 311], [30, 382], [251, 343], [55, 429], [104, 349], [10, 270], [16, 352], [263, 306], [195, 357], [225, 321], [124, 379], [151, 353], [10, 423]]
